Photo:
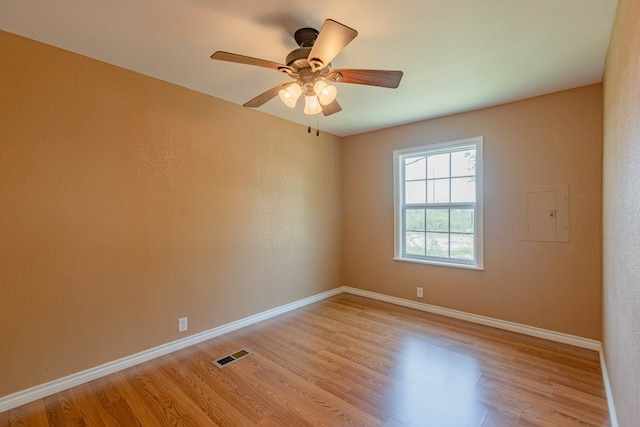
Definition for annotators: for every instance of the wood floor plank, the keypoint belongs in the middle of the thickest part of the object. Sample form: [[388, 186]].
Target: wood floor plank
[[177, 408], [146, 410], [32, 414], [211, 403], [235, 384], [62, 412], [346, 360], [101, 404]]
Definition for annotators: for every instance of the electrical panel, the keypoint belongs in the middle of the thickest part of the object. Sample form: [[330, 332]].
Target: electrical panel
[[543, 213]]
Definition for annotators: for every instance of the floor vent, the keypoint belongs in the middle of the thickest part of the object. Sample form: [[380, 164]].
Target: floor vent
[[234, 357]]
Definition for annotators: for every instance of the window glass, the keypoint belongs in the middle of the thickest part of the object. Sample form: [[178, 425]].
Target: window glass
[[438, 191], [438, 166], [415, 192], [415, 168]]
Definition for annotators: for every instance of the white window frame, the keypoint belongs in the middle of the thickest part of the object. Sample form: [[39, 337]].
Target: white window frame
[[399, 205]]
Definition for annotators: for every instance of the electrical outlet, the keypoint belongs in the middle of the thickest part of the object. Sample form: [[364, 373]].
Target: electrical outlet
[[419, 292], [182, 324]]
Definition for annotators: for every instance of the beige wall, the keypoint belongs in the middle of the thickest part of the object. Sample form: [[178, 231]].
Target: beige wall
[[127, 202], [621, 213], [552, 139]]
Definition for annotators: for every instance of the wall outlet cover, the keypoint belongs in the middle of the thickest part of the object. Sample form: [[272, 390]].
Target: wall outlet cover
[[182, 324]]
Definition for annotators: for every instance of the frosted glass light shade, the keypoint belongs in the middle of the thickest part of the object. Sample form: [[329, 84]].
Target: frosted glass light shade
[[312, 105], [290, 94], [326, 92]]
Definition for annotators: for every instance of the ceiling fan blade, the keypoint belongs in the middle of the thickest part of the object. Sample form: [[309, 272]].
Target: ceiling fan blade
[[331, 108], [382, 78], [265, 96], [333, 37], [242, 59]]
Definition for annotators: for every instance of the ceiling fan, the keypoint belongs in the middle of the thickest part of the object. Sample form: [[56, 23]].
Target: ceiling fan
[[310, 67]]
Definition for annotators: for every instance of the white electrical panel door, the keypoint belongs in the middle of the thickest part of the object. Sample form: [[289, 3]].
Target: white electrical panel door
[[543, 212]]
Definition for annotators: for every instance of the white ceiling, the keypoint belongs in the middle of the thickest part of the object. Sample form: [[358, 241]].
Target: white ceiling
[[457, 55]]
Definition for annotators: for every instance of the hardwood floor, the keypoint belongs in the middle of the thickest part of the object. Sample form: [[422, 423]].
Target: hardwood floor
[[345, 361]]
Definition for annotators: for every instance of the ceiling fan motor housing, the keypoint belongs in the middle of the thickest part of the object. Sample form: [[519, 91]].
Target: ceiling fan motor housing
[[297, 59], [306, 37]]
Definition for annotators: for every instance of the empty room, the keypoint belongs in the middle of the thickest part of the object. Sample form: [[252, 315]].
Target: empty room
[[283, 213]]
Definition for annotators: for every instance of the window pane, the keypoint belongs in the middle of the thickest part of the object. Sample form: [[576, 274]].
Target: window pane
[[463, 189], [414, 243], [438, 220], [462, 246], [438, 166], [414, 192], [463, 163], [438, 244], [438, 191], [415, 168], [414, 219], [462, 221]]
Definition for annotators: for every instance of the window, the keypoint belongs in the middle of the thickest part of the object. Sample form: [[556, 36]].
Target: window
[[438, 203]]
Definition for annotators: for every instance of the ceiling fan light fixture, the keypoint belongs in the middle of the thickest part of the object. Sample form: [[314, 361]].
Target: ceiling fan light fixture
[[312, 105], [290, 94], [326, 93]]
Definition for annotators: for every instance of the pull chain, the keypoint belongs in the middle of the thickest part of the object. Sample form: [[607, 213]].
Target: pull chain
[[309, 125]]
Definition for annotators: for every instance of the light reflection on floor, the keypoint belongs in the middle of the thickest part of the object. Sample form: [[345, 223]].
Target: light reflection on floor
[[436, 386]]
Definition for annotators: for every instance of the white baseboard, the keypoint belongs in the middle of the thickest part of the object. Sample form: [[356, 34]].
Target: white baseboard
[[483, 320], [38, 392], [25, 396], [607, 390]]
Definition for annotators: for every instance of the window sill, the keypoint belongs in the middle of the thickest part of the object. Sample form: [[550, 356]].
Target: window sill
[[441, 264]]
